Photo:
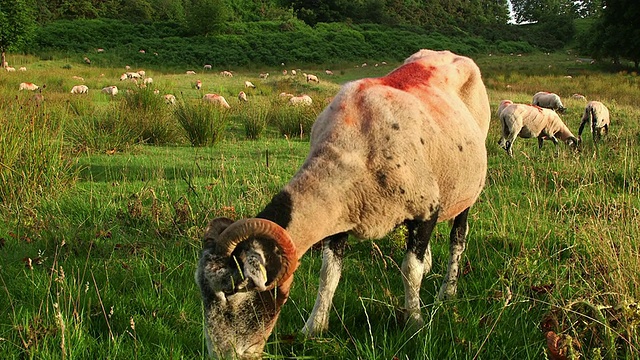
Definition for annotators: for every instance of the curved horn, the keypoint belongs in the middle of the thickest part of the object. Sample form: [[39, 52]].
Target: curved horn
[[242, 229]]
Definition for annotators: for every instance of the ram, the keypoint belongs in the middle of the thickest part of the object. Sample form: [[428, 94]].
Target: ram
[[527, 121], [408, 147], [597, 115]]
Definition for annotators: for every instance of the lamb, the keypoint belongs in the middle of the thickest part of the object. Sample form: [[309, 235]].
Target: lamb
[[28, 86], [312, 78], [301, 100], [529, 121], [598, 116], [242, 96], [111, 90], [249, 84], [216, 99], [548, 100], [80, 89], [405, 148]]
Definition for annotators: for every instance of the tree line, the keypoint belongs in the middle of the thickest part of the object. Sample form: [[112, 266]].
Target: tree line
[[614, 32]]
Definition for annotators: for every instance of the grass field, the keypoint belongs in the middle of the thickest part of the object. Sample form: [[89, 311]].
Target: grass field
[[104, 201]]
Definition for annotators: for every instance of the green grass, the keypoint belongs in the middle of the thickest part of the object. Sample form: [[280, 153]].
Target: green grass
[[98, 261]]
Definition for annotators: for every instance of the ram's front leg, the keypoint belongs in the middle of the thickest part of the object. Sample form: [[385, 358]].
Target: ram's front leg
[[332, 254], [457, 244], [417, 262]]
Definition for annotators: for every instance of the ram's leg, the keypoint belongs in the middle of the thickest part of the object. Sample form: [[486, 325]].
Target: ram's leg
[[332, 253], [457, 242], [417, 262]]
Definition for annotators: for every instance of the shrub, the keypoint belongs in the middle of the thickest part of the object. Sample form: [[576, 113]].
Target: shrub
[[151, 116], [105, 130], [203, 124], [293, 120]]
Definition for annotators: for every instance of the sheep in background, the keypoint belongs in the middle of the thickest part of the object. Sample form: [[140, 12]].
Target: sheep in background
[[207, 67], [285, 95], [503, 104], [249, 84], [198, 85], [294, 73], [86, 60], [147, 81], [549, 101], [28, 86], [598, 116], [110, 90], [408, 147], [312, 78], [527, 121], [191, 72], [10, 69], [142, 73], [80, 89], [226, 73], [328, 72], [169, 99], [22, 68], [579, 97], [264, 76], [216, 99], [242, 96], [301, 100], [75, 77]]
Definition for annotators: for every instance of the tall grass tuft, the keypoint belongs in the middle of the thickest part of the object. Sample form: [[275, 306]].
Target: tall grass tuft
[[151, 115], [255, 119], [293, 121], [204, 124], [104, 130], [33, 161]]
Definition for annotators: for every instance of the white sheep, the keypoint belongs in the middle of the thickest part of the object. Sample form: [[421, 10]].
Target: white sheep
[[503, 104], [22, 68], [142, 73], [226, 73], [285, 95], [80, 89], [242, 96], [147, 81], [169, 99], [548, 100], [301, 100], [86, 60], [191, 72], [198, 85], [249, 84], [207, 67], [294, 73], [579, 97], [110, 90], [312, 78], [216, 99], [264, 76], [10, 68], [28, 86], [405, 148], [328, 72], [76, 77], [527, 121], [597, 115]]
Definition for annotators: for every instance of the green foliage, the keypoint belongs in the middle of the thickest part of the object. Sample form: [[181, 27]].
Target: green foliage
[[204, 16], [293, 121], [16, 24], [615, 34], [203, 123], [104, 130], [149, 112]]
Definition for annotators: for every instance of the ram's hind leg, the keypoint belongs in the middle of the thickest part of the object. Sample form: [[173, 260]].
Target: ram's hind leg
[[332, 253], [417, 262], [457, 243]]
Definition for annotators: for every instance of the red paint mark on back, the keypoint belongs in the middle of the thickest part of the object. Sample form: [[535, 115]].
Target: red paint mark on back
[[408, 76]]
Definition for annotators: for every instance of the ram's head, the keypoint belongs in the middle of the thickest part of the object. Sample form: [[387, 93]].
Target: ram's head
[[244, 274]]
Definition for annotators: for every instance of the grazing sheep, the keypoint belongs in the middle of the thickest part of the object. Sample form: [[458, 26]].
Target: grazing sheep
[[198, 85], [312, 78], [294, 73], [191, 72], [242, 96], [141, 51], [169, 99], [10, 69], [226, 73], [503, 104], [28, 86], [111, 90], [579, 97], [549, 101], [249, 84], [264, 76], [301, 100], [408, 148], [142, 73], [127, 67], [147, 81], [207, 67], [86, 60], [80, 89], [329, 72], [529, 121], [285, 95], [75, 77], [598, 116], [22, 68], [100, 50], [216, 99]]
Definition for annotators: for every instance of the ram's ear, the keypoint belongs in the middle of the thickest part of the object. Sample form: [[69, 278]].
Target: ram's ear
[[213, 230]]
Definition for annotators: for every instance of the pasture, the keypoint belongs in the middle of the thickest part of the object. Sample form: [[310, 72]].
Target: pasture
[[104, 201]]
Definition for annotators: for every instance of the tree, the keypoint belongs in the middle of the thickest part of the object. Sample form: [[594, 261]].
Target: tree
[[204, 16], [526, 11], [617, 33], [16, 24]]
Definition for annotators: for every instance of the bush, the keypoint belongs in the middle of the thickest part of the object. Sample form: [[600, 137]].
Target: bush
[[293, 121], [101, 131], [203, 124]]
